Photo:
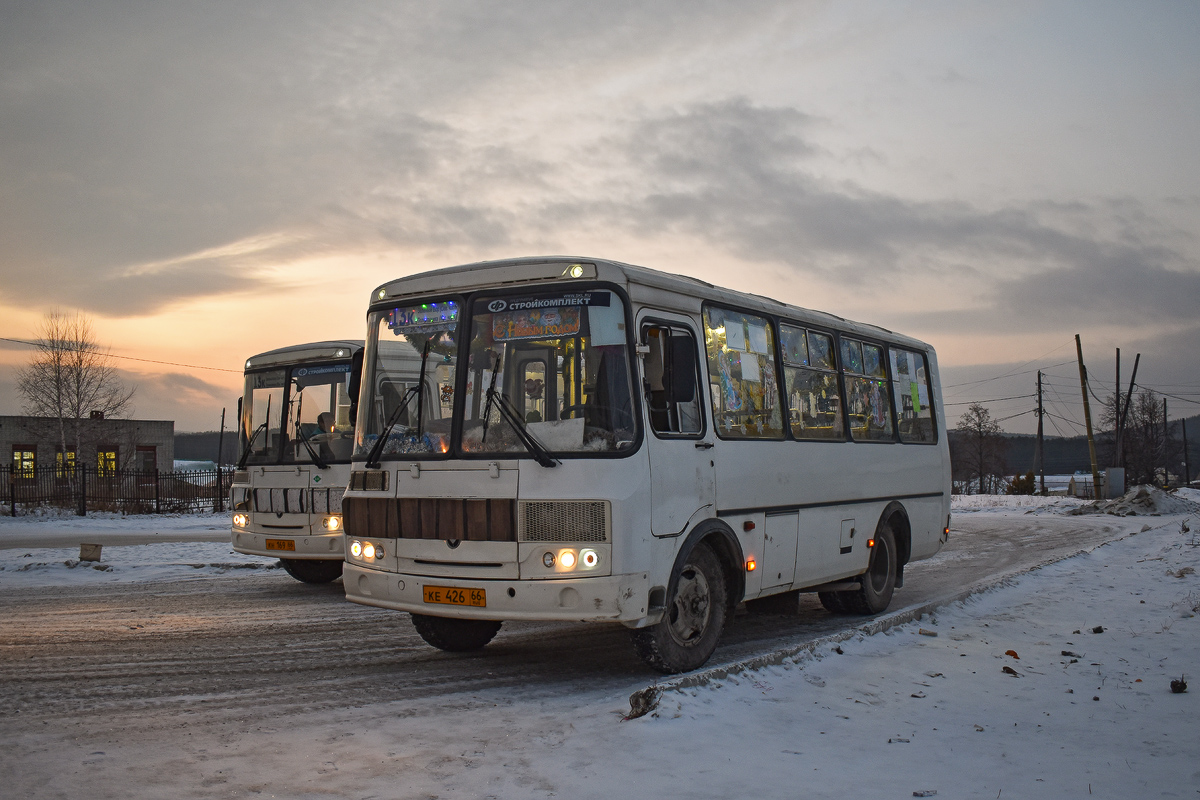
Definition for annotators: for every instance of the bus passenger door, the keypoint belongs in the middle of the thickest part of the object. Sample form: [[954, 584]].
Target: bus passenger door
[[681, 467]]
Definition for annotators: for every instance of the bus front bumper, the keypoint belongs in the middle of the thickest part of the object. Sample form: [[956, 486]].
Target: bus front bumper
[[616, 598], [318, 546]]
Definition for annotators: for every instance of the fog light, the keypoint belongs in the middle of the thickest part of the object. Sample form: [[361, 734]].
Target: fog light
[[332, 523], [567, 558], [368, 550], [548, 560], [240, 520], [356, 549], [379, 551], [589, 558]]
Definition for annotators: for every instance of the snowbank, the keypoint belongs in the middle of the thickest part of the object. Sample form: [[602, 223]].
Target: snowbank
[[1143, 501], [129, 563], [1003, 503]]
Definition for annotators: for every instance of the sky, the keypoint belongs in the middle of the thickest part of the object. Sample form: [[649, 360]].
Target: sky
[[210, 181]]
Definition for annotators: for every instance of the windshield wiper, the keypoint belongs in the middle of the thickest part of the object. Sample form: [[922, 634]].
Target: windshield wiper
[[308, 446], [250, 444], [377, 449], [510, 413]]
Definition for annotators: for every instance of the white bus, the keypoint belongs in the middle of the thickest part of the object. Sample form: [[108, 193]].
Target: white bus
[[297, 436], [603, 442]]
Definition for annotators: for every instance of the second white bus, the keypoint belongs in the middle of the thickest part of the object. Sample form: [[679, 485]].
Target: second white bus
[[589, 440], [297, 436]]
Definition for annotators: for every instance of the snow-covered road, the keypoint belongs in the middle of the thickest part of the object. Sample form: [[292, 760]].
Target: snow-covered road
[[199, 681]]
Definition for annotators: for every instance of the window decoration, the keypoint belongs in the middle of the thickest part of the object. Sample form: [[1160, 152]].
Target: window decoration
[[741, 374]]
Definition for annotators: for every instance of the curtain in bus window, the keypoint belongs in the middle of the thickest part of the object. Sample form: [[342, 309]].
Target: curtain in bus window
[[814, 405], [741, 374], [910, 393], [867, 394]]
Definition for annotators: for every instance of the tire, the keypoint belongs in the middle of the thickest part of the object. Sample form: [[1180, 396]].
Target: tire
[[832, 602], [687, 634], [312, 571], [784, 603], [879, 581], [455, 635]]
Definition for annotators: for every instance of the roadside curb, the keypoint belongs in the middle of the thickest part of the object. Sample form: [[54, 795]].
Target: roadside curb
[[646, 698]]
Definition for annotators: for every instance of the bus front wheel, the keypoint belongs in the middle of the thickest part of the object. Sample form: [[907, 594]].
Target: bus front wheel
[[687, 634], [312, 571], [455, 635]]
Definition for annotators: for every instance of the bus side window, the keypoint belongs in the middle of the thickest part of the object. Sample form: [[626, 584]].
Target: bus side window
[[814, 402], [741, 374], [910, 392], [868, 398], [670, 381]]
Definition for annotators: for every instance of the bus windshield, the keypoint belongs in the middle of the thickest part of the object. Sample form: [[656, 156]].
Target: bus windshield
[[318, 419], [552, 368], [298, 414]]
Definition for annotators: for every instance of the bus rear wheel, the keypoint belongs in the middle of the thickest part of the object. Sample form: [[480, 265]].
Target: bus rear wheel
[[879, 581], [455, 635], [312, 571], [687, 634]]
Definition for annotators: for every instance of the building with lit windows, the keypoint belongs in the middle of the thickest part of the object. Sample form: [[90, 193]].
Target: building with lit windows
[[105, 445]]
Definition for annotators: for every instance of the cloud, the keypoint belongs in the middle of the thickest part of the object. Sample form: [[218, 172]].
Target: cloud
[[739, 176]]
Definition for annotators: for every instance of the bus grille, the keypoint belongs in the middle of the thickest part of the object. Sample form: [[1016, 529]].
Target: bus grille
[[299, 501], [369, 481], [564, 521], [430, 518]]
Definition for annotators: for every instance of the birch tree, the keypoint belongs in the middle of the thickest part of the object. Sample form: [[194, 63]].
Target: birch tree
[[70, 376]]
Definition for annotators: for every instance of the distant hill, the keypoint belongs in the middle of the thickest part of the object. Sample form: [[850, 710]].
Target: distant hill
[[1067, 454], [203, 446]]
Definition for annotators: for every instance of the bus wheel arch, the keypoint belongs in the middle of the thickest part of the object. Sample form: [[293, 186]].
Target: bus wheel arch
[[700, 596], [896, 515]]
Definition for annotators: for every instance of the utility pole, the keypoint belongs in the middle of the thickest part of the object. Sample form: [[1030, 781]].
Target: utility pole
[[1125, 413], [1187, 465], [1040, 457], [1087, 418], [1166, 449], [221, 440], [1117, 408]]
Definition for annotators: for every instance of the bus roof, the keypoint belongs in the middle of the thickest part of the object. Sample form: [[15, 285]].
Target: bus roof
[[301, 353], [689, 293]]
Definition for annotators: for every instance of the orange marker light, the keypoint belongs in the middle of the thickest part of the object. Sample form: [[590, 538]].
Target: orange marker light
[[751, 565], [870, 542]]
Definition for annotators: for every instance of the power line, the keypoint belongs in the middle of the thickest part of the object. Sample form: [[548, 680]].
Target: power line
[[993, 400], [131, 358]]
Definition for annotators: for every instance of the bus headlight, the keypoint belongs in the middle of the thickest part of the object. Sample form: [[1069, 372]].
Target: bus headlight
[[567, 558], [331, 523], [368, 550], [356, 549], [240, 520]]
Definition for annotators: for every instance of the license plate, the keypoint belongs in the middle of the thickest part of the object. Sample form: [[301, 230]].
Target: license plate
[[280, 544], [455, 597]]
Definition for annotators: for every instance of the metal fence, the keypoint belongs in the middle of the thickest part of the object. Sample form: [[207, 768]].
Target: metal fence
[[85, 488]]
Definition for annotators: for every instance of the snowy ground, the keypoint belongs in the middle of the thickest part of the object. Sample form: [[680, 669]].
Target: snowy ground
[[1015, 696]]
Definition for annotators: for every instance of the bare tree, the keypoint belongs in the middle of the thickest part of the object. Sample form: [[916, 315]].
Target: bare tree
[[977, 450], [1149, 451], [69, 377]]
